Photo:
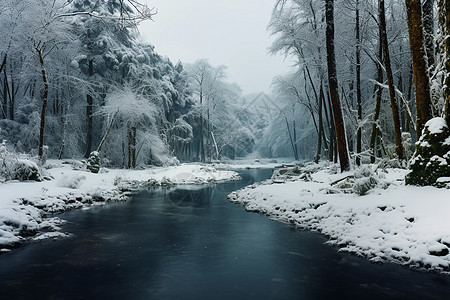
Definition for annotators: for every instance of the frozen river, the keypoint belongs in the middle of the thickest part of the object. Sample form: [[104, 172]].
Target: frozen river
[[193, 244]]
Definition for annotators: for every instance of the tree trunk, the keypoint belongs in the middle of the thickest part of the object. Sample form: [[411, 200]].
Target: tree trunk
[[12, 99], [5, 88], [317, 97], [331, 130], [319, 136], [89, 116], [208, 131], [428, 28], [419, 63], [5, 95], [295, 140], [201, 146], [291, 139], [390, 79], [132, 147], [379, 90], [409, 97], [44, 104], [333, 85], [108, 129], [447, 61], [358, 88], [3, 63], [444, 24], [328, 125]]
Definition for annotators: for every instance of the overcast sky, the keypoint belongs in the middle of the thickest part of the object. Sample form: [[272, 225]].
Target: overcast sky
[[226, 32]]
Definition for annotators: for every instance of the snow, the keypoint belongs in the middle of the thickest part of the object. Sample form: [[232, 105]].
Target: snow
[[24, 206], [436, 125], [443, 180], [436, 158], [404, 224], [447, 141], [422, 143]]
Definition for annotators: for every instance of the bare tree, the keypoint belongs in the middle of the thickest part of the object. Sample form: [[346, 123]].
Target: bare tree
[[444, 25], [419, 63], [428, 30], [390, 79], [379, 93], [333, 85], [205, 82], [358, 85]]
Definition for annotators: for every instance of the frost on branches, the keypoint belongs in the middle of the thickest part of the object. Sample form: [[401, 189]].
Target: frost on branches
[[430, 164]]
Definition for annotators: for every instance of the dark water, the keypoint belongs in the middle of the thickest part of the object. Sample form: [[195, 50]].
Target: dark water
[[194, 244]]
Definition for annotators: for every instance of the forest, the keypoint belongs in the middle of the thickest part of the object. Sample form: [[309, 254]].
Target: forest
[[367, 76], [75, 79]]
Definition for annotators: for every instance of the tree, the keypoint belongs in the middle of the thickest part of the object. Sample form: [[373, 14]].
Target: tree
[[297, 28], [428, 31], [333, 86], [206, 84], [358, 85], [134, 112], [379, 93], [444, 49], [419, 62], [390, 79], [105, 28], [45, 71], [47, 31]]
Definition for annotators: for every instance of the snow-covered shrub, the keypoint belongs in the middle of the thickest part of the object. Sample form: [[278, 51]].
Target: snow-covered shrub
[[93, 163], [71, 182], [119, 181], [386, 163], [407, 145], [77, 165], [8, 160], [364, 179], [363, 171], [432, 157], [365, 184], [288, 174], [26, 170], [12, 168]]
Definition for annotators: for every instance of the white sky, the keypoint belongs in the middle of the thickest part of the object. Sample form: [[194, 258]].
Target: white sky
[[226, 32]]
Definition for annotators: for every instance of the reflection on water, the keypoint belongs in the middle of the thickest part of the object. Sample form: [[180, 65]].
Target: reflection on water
[[191, 197], [191, 243]]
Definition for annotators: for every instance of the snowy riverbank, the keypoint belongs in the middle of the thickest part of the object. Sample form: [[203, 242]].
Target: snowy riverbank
[[26, 207], [390, 222]]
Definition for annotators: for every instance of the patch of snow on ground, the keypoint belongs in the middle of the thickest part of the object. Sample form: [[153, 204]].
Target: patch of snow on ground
[[404, 224]]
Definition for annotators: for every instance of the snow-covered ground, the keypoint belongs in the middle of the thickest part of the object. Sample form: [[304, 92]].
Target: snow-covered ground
[[388, 222], [25, 207]]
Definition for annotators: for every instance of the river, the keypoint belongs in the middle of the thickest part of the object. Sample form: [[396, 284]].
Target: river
[[191, 243]]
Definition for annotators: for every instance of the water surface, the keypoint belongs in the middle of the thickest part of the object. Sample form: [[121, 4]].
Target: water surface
[[194, 244]]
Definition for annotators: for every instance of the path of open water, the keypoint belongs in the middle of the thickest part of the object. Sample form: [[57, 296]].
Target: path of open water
[[194, 244]]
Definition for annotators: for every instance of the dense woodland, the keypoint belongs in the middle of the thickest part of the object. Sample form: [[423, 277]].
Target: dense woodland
[[367, 76], [76, 79], [386, 96]]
